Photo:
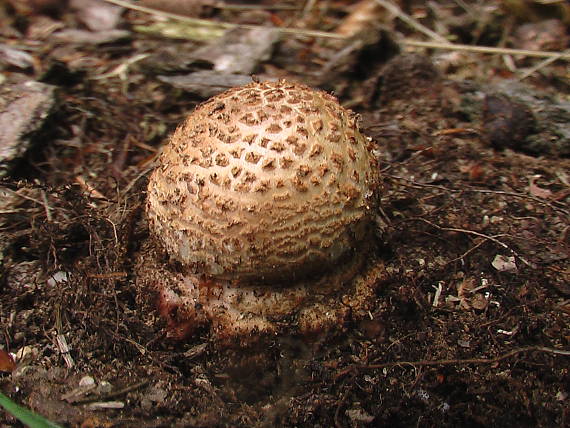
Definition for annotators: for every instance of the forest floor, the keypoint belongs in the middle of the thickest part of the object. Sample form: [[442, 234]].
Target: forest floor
[[471, 326]]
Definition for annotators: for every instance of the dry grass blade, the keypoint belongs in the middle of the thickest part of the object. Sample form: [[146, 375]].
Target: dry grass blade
[[226, 25], [410, 21], [486, 49]]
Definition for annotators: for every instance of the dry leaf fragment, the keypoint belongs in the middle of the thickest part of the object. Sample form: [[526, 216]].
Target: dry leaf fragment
[[468, 296], [474, 170], [479, 302], [364, 14], [97, 15], [239, 51], [359, 415], [7, 363], [537, 191], [15, 57], [504, 263]]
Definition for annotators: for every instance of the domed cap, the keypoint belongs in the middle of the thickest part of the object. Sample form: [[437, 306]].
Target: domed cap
[[268, 182]]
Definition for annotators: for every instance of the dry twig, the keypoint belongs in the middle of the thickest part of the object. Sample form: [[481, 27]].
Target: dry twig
[[475, 233], [556, 206], [454, 361]]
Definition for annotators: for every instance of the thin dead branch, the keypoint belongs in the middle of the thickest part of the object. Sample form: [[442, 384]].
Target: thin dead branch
[[475, 233], [466, 361], [557, 206]]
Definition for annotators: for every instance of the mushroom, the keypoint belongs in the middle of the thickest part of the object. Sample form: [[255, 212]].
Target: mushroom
[[261, 213]]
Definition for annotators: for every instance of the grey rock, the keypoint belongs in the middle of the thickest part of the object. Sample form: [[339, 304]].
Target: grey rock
[[206, 83], [24, 108]]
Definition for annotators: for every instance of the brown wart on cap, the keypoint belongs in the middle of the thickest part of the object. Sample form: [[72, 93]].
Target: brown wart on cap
[[264, 198]]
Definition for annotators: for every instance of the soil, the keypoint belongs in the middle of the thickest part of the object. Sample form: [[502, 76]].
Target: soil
[[471, 326]]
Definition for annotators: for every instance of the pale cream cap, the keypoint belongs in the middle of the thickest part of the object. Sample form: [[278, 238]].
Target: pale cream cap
[[268, 182]]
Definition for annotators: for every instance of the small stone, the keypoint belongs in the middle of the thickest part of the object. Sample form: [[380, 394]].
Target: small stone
[[504, 263], [24, 108], [86, 381]]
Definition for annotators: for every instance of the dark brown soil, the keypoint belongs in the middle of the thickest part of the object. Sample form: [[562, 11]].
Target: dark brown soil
[[471, 328]]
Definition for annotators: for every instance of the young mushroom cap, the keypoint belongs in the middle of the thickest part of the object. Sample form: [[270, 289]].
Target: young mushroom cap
[[268, 182]]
